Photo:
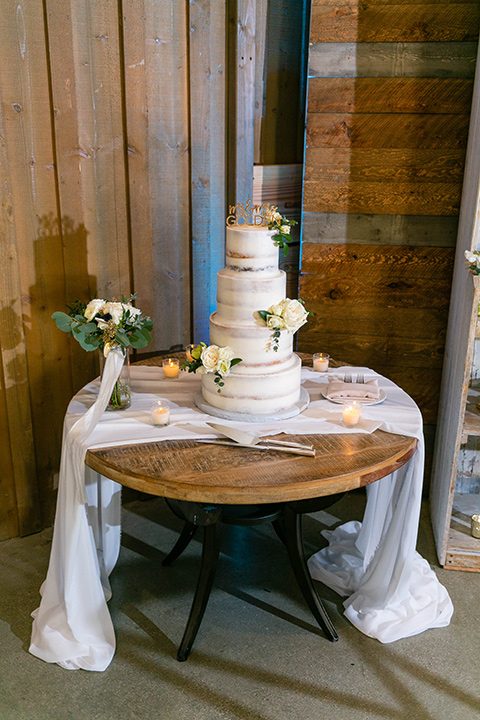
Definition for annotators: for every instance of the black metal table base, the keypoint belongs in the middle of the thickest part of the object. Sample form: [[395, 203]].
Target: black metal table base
[[286, 519]]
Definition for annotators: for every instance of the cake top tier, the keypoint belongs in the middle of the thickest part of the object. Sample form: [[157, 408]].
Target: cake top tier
[[251, 249]]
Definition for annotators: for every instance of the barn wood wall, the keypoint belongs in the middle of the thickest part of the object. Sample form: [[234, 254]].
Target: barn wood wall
[[389, 96], [114, 161]]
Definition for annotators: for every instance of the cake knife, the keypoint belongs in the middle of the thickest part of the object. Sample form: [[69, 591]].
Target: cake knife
[[244, 438], [286, 449]]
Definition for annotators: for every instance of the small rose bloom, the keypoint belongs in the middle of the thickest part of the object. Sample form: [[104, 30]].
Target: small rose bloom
[[276, 309], [209, 358], [469, 256], [133, 310], [225, 356], [285, 229], [275, 322]]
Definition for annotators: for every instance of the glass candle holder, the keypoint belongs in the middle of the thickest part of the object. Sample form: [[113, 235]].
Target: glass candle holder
[[476, 526], [351, 413], [160, 413], [171, 367], [188, 352], [320, 362]]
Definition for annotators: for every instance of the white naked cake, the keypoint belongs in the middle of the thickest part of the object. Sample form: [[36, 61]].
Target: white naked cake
[[267, 381]]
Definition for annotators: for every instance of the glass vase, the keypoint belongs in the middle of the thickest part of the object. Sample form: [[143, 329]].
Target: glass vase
[[121, 397]]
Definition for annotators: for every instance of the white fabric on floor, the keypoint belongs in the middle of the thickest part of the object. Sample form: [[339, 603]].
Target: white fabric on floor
[[395, 593]]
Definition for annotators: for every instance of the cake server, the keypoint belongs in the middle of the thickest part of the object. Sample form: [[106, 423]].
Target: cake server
[[286, 449], [244, 438]]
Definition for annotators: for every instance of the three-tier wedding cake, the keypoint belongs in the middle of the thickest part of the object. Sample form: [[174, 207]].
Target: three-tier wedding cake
[[267, 381]]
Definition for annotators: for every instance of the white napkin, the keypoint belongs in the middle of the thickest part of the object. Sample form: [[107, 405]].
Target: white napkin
[[338, 389]]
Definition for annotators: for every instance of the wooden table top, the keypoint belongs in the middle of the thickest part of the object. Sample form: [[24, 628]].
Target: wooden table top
[[186, 470]]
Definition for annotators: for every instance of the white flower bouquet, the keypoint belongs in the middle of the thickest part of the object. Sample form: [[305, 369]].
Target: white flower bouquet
[[287, 315], [104, 324], [211, 359]]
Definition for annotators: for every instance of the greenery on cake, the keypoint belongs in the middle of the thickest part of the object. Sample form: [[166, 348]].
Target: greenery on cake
[[105, 324], [287, 315], [211, 359], [283, 226]]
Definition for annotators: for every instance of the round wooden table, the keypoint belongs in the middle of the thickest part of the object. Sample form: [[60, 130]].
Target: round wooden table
[[207, 483], [187, 470]]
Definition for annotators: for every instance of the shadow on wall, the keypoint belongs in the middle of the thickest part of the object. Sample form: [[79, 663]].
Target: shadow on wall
[[57, 365]]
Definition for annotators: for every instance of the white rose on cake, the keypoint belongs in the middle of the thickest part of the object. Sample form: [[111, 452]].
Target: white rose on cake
[[276, 309], [293, 314], [225, 357], [210, 358]]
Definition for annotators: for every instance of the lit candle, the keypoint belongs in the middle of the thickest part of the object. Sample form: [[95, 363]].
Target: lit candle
[[320, 362], [171, 366], [351, 413], [476, 526], [160, 413], [188, 352]]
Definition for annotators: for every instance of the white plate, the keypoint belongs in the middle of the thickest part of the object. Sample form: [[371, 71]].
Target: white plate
[[361, 401]]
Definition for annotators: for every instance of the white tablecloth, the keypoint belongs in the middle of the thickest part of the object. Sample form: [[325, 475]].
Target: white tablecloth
[[392, 592]]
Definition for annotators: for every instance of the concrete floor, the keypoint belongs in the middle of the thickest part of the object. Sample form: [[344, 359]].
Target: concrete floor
[[258, 655]]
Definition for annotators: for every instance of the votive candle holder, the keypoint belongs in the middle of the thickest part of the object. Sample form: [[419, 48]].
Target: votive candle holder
[[160, 413], [351, 413], [320, 362], [171, 367]]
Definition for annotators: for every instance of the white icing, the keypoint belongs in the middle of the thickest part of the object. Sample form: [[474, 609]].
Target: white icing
[[251, 249]]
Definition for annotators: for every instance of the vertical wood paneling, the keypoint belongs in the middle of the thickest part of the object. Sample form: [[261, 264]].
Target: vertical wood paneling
[[86, 92], [28, 165], [260, 74], [208, 176], [156, 75], [241, 100], [14, 365]]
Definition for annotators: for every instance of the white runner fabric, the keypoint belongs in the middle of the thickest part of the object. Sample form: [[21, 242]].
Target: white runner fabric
[[393, 592]]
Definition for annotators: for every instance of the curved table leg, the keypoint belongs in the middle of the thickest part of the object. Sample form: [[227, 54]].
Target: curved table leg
[[210, 552], [184, 539], [292, 527]]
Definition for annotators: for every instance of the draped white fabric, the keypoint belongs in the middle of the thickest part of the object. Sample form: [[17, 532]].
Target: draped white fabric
[[393, 592]]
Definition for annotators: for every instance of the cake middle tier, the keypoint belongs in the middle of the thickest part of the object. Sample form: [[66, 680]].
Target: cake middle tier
[[239, 296], [254, 344]]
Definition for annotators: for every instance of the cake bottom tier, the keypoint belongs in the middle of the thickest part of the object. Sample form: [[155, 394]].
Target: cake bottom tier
[[255, 394]]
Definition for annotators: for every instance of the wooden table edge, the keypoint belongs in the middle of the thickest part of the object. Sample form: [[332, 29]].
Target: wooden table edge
[[238, 495]]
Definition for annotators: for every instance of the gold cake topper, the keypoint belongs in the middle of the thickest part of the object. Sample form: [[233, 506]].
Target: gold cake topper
[[250, 214]]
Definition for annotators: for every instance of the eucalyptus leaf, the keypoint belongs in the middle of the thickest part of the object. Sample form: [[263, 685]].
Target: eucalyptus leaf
[[62, 321]]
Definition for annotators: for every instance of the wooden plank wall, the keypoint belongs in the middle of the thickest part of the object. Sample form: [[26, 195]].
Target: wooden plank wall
[[390, 86], [114, 161]]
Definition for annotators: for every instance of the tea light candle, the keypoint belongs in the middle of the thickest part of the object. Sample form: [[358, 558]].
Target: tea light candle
[[188, 352], [160, 413], [476, 526], [320, 362], [171, 367], [351, 413]]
